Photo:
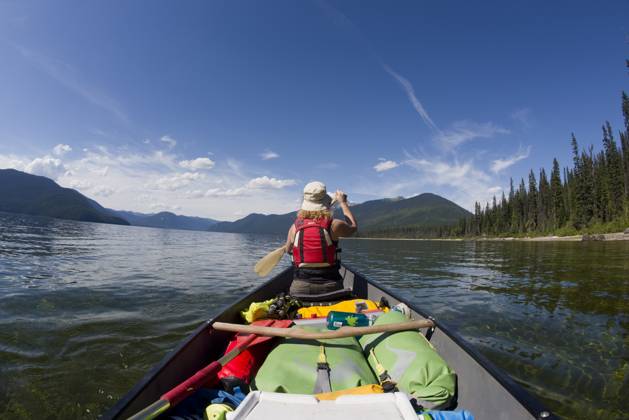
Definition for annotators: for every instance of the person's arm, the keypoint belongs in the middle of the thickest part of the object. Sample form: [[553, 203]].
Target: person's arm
[[342, 229], [290, 239]]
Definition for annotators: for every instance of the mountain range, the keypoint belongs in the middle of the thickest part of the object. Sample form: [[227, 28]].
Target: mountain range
[[424, 211], [37, 195]]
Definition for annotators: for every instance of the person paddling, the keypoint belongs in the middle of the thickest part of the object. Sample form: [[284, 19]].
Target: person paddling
[[313, 241]]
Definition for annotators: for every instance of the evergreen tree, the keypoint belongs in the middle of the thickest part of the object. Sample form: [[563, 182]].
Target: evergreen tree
[[601, 191], [614, 173], [585, 190], [543, 210], [532, 204], [557, 212]]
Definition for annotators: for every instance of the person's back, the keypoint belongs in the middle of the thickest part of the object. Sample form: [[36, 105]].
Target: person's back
[[313, 241]]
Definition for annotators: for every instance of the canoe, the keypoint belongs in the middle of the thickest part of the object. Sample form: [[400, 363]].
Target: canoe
[[482, 388]]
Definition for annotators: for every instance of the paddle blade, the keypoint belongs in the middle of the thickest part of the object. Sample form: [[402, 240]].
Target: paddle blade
[[270, 260]]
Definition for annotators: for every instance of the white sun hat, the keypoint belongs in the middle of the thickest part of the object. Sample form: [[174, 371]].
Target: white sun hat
[[316, 197]]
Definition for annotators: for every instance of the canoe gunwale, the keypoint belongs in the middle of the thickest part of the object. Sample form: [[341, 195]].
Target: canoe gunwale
[[532, 404]]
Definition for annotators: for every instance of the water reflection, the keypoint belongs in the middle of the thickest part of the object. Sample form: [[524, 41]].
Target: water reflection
[[554, 315]]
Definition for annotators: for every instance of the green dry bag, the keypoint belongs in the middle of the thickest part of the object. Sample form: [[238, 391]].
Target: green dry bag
[[412, 362], [291, 367]]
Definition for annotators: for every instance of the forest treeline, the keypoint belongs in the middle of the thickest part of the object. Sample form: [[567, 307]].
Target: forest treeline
[[591, 195]]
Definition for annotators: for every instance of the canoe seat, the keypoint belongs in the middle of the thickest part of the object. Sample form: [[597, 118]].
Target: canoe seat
[[334, 296]]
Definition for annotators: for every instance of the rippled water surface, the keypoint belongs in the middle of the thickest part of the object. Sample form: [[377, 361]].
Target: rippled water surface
[[86, 309]]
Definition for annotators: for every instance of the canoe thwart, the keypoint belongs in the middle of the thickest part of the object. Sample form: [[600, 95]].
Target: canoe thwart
[[318, 335]]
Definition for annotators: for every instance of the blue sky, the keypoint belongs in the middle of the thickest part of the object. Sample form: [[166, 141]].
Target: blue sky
[[224, 108]]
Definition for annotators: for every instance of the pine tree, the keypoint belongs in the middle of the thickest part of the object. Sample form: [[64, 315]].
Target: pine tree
[[532, 204], [543, 210], [558, 216], [585, 190], [614, 173], [624, 143], [600, 191]]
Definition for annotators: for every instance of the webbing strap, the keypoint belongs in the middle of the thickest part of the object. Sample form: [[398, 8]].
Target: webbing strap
[[388, 385], [324, 245], [322, 384]]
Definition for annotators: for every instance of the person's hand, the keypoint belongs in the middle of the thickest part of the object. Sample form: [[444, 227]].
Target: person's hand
[[340, 197]]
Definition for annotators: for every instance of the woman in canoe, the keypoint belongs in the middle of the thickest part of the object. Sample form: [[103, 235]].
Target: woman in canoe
[[313, 240]]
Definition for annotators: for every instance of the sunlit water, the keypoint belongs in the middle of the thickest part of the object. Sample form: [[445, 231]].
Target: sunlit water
[[86, 309]]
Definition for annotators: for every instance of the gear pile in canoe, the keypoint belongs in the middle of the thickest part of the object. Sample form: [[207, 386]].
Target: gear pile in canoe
[[357, 353]]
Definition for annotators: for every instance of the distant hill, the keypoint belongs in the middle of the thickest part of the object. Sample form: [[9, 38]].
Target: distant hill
[[37, 195], [165, 220], [258, 223], [422, 212]]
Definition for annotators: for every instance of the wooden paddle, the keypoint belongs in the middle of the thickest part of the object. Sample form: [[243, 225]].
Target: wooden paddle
[[193, 383], [316, 335], [270, 260]]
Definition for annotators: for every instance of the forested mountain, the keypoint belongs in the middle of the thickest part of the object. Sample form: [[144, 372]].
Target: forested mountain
[[591, 195], [37, 195], [165, 220], [424, 212]]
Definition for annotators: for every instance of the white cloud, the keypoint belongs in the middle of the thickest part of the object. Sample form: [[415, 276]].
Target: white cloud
[[464, 131], [197, 164], [47, 166], [385, 165], [171, 142], [150, 180], [266, 182], [269, 154], [176, 181], [61, 149], [410, 93], [502, 164]]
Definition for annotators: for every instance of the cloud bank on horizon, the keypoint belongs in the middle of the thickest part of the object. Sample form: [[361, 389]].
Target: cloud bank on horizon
[[203, 121]]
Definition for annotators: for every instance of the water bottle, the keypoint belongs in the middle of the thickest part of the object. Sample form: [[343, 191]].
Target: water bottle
[[336, 320]]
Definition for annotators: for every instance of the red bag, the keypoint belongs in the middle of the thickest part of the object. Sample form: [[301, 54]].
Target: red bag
[[244, 366]]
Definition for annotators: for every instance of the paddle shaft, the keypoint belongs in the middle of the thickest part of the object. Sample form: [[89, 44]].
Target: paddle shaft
[[190, 385], [316, 335]]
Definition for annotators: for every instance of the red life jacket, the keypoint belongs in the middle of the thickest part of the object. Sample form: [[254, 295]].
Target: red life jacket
[[313, 246]]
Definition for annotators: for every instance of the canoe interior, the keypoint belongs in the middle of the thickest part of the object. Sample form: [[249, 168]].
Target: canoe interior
[[481, 388]]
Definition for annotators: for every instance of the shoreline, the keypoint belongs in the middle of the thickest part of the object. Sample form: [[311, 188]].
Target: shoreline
[[595, 237]]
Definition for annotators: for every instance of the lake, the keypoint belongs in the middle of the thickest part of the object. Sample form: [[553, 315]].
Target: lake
[[86, 309]]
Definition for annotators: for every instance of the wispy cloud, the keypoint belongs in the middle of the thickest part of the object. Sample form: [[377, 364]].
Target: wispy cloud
[[269, 154], [410, 93], [385, 165], [502, 164], [464, 131], [522, 115], [69, 77], [170, 142]]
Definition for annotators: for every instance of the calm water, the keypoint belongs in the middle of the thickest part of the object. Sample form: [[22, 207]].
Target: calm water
[[86, 309]]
